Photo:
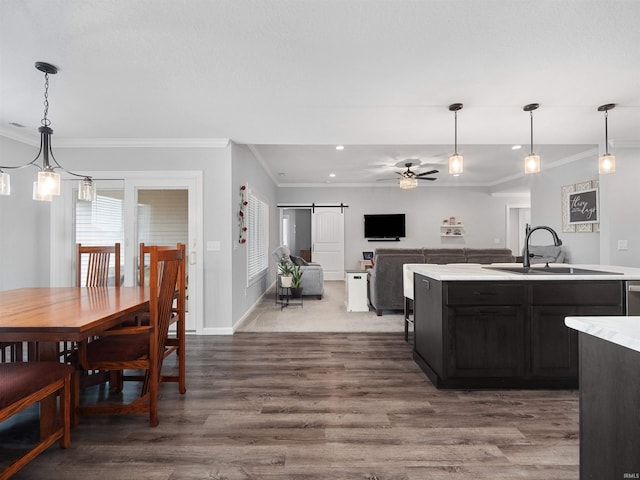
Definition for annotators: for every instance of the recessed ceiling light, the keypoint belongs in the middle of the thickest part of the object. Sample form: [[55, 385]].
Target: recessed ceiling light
[[516, 147], [16, 124], [339, 147], [332, 175], [281, 174]]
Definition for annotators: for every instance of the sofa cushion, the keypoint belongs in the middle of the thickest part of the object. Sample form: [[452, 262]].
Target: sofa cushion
[[489, 255], [444, 255], [398, 251], [301, 262], [21, 379]]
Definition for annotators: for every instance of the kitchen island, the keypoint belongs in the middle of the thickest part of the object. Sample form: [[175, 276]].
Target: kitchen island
[[609, 396], [502, 326]]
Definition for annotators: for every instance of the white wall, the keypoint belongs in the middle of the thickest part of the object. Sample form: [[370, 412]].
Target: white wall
[[246, 170], [546, 209], [483, 215], [619, 198], [24, 223], [619, 202]]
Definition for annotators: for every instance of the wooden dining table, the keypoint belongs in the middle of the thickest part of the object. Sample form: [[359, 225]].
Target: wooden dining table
[[51, 315]]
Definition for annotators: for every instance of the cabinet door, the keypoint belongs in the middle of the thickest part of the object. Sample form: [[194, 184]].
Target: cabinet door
[[554, 346], [485, 341]]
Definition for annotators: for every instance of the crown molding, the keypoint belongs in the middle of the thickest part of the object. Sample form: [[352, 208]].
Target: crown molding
[[143, 143], [120, 142]]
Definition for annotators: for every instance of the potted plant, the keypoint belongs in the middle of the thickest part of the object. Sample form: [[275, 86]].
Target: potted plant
[[285, 270], [296, 281]]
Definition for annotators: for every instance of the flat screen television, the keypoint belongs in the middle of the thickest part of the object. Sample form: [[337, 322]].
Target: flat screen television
[[384, 226]]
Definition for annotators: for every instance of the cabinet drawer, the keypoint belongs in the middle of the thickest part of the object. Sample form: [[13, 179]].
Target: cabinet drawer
[[485, 293], [577, 293]]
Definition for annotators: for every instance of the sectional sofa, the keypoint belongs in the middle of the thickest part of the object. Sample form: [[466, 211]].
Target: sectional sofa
[[385, 277]]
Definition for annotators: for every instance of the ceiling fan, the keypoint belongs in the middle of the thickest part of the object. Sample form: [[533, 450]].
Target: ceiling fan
[[409, 178]]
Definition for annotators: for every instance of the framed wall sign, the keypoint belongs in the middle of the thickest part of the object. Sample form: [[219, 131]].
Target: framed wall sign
[[583, 206], [580, 208]]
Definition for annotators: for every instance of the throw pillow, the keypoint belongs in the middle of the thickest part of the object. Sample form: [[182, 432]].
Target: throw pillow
[[301, 262]]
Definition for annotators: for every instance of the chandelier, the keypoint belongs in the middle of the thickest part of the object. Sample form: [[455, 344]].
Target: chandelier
[[48, 183]]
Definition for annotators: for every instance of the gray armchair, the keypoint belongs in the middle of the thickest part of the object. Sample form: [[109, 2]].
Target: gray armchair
[[312, 277]]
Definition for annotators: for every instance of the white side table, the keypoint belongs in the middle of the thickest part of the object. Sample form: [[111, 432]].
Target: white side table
[[355, 295]]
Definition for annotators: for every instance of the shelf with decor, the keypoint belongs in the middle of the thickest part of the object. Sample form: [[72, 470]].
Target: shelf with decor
[[451, 228]]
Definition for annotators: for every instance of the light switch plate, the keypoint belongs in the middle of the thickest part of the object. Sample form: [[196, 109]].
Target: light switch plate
[[623, 245], [213, 246]]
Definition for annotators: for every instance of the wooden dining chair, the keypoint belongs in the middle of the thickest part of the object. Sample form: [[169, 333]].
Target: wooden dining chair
[[139, 347], [98, 267], [23, 384], [176, 342], [98, 261]]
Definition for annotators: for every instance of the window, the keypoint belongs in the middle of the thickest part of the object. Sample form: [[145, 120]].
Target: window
[[100, 222], [257, 237]]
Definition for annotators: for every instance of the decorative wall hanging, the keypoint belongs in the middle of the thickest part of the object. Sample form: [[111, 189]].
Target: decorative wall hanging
[[242, 215], [580, 209]]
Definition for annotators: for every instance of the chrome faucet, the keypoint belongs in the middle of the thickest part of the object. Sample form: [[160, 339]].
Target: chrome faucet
[[526, 263]]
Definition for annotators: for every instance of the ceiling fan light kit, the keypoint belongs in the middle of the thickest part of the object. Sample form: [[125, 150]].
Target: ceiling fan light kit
[[531, 161], [606, 162], [407, 183], [456, 161]]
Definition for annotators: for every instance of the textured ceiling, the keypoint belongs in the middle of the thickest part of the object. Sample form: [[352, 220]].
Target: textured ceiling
[[293, 78]]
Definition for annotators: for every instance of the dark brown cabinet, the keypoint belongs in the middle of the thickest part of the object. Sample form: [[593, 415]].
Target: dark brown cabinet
[[488, 334]]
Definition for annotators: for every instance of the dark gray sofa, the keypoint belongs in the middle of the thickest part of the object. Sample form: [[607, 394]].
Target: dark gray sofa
[[385, 277]]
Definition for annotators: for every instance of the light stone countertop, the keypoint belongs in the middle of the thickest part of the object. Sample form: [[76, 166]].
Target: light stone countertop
[[623, 331], [477, 272]]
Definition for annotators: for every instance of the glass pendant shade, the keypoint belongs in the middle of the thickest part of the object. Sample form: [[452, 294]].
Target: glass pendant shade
[[5, 184], [532, 164], [456, 164], [408, 182], [86, 191], [49, 183], [607, 163], [39, 194]]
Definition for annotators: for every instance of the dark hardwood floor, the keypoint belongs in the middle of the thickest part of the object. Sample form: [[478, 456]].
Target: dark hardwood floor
[[318, 406]]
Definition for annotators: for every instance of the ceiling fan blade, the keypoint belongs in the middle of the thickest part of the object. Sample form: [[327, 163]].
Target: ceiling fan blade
[[402, 174], [427, 173], [427, 178], [381, 179]]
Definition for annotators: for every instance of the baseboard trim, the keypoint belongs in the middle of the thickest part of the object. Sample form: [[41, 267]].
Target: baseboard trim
[[217, 331]]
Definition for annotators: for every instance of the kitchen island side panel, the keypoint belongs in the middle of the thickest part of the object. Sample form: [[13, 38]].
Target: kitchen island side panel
[[609, 410]]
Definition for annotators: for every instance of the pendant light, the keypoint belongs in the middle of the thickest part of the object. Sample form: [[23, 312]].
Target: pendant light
[[606, 162], [531, 161], [456, 162], [48, 183]]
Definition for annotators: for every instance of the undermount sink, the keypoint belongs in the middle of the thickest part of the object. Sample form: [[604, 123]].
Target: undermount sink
[[551, 270]]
